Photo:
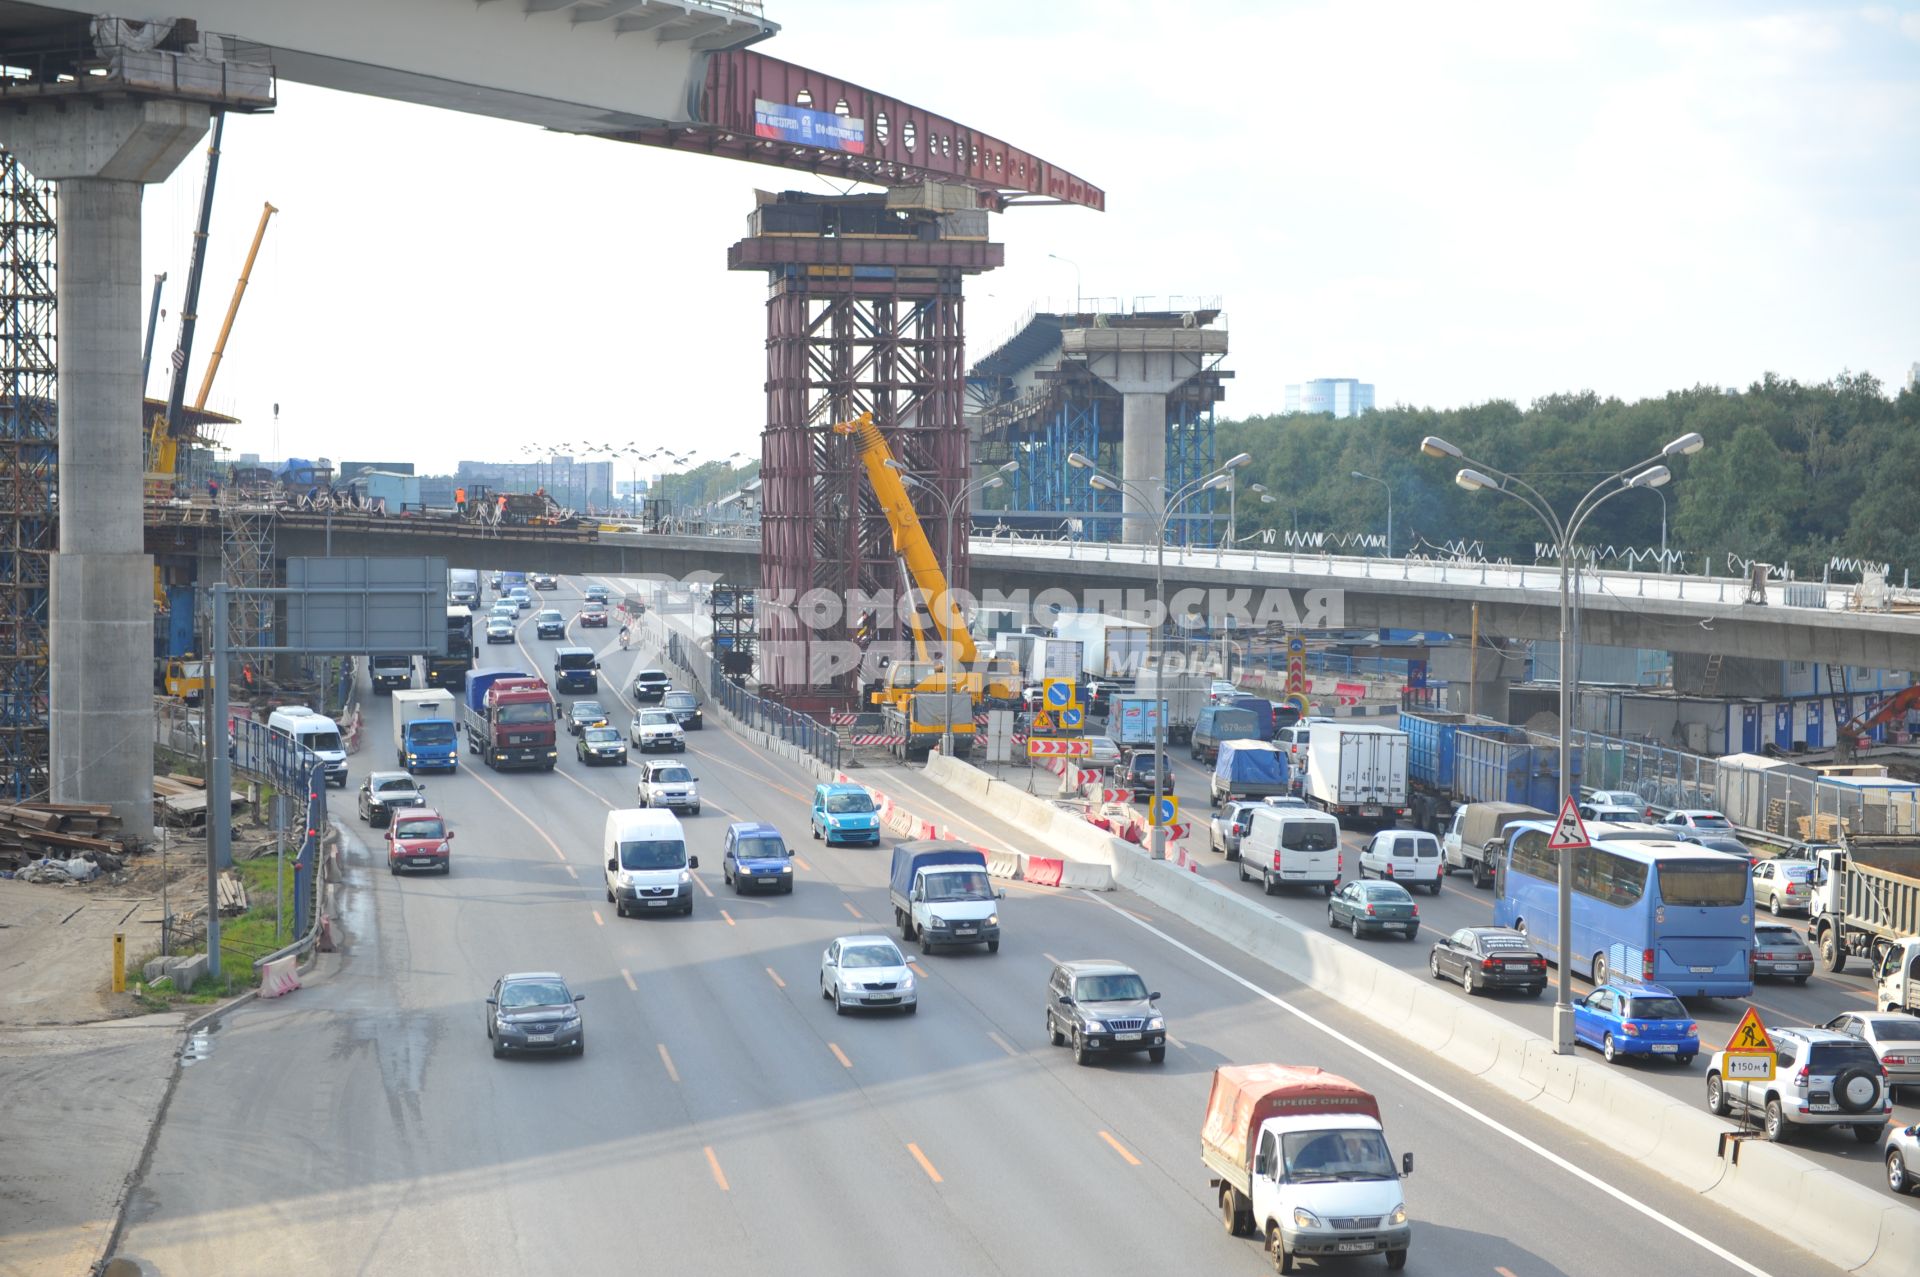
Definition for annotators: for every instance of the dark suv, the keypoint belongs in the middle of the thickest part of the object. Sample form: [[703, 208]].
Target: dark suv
[[1139, 775], [685, 708], [1103, 1007]]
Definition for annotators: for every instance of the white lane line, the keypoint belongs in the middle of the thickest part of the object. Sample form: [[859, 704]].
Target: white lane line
[[531, 823], [1532, 1146]]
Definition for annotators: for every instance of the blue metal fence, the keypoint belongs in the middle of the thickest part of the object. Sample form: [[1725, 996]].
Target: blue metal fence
[[795, 728], [282, 762]]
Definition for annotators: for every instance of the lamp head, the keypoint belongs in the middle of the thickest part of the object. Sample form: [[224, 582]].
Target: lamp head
[[1685, 446], [995, 482], [1218, 481], [1103, 484], [1256, 487], [1435, 446], [1234, 463], [1009, 468], [1266, 498], [1473, 480], [1358, 475], [1653, 477], [1079, 461]]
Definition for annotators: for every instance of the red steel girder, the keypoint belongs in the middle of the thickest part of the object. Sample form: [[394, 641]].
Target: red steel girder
[[774, 252], [905, 144]]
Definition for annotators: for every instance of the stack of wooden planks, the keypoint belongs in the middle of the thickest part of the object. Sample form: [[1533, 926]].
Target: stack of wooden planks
[[29, 831], [182, 800]]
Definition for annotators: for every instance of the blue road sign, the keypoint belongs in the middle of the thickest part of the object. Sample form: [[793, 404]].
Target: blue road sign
[[1059, 693], [1070, 717]]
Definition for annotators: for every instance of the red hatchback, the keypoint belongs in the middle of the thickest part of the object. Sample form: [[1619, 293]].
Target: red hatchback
[[595, 615], [418, 838]]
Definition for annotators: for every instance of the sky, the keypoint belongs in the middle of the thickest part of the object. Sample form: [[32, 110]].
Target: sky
[[1455, 203]]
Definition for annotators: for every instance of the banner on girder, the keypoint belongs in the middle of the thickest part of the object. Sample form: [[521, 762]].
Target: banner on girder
[[806, 127]]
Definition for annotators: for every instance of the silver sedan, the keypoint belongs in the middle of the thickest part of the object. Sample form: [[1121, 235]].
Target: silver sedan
[[1895, 1038], [867, 971], [1229, 825], [1901, 1152], [1780, 953]]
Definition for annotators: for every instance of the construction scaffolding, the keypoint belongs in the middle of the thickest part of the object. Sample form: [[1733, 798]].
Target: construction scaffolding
[[29, 448], [246, 565], [864, 314]]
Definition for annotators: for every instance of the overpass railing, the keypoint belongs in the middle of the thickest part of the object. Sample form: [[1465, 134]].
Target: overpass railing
[[802, 731]]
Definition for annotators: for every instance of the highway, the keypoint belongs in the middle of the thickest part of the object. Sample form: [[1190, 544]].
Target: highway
[[724, 1120]]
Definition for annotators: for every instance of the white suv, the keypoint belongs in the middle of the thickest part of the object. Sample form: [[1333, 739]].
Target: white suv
[[1821, 1078], [656, 729], [1410, 857], [665, 784]]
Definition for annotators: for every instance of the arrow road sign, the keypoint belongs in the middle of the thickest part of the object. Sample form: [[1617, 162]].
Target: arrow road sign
[[1070, 717], [1058, 692], [1167, 811]]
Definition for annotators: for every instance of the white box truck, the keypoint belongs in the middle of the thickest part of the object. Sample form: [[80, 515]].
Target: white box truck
[[1111, 647], [1358, 772], [425, 729]]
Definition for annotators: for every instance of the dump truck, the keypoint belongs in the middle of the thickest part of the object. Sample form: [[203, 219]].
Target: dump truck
[[1866, 904], [1300, 1161]]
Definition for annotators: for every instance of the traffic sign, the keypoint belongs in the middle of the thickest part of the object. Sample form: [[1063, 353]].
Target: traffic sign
[[1569, 834], [1058, 693], [1748, 1066], [1750, 1035], [1058, 747], [1166, 812], [1043, 722], [1071, 717]]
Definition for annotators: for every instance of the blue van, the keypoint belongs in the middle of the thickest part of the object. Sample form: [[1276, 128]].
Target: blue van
[[757, 856], [844, 813], [575, 669]]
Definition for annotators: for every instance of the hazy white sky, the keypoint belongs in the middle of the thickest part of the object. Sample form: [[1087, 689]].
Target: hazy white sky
[[1457, 203]]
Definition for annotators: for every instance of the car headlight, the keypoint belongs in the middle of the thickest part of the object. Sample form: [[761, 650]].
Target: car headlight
[[685, 877], [1304, 1218], [571, 1022], [993, 920], [1157, 1022], [907, 982], [1399, 1215], [1093, 1026], [936, 922], [746, 869], [786, 869]]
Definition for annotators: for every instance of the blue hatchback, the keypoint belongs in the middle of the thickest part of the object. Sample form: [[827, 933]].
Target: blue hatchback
[[757, 856], [1625, 1017], [844, 813]]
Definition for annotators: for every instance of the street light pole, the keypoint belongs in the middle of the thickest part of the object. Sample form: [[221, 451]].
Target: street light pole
[[1389, 487], [1076, 279], [1221, 478], [1476, 476]]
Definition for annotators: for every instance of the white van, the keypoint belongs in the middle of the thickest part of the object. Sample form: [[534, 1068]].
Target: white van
[[1291, 847], [315, 732], [1410, 857], [647, 865]]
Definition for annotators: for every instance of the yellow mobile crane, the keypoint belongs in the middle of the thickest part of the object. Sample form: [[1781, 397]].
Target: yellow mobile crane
[[908, 681]]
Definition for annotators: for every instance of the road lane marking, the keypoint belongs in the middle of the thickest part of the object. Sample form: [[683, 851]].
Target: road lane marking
[[754, 776], [803, 864], [1055, 961], [703, 886], [917, 970], [728, 917], [925, 1165], [598, 921], [671, 1071], [1447, 1098], [776, 978], [850, 909], [508, 803], [570, 873], [628, 977], [583, 788], [840, 1055], [1176, 1042], [1503, 1272], [1002, 1043], [713, 1164], [1120, 1148]]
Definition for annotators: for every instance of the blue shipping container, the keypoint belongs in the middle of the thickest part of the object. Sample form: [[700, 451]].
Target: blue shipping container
[[1430, 745], [1504, 764]]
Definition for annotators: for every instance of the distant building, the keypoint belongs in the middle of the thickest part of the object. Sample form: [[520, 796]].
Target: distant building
[[578, 485], [1341, 396]]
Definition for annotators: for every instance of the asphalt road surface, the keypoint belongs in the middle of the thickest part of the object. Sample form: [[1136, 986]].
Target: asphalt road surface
[[724, 1120]]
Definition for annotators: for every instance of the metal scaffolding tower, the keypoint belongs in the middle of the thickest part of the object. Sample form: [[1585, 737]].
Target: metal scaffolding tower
[[864, 314], [246, 564], [29, 447]]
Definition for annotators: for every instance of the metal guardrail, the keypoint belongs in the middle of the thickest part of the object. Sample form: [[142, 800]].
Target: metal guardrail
[[803, 731], [282, 762]]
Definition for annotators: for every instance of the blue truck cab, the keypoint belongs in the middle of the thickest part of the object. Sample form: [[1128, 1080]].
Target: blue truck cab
[[757, 856], [844, 813], [576, 669]]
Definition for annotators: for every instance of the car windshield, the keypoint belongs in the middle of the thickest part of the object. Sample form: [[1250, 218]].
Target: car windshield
[[761, 848], [671, 775], [1110, 988], [533, 993], [680, 700], [321, 740], [424, 827], [1897, 1030], [649, 676], [526, 714], [433, 733], [395, 789], [842, 804], [1656, 1008], [550, 617], [602, 736], [1310, 835], [1702, 883], [576, 660], [656, 718], [586, 711], [499, 625], [959, 884], [871, 955], [662, 853], [1311, 1156]]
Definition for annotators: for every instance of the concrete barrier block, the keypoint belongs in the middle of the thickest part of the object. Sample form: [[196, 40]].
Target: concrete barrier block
[[1899, 1243], [189, 970], [1005, 864], [1688, 1149], [1081, 875], [279, 978]]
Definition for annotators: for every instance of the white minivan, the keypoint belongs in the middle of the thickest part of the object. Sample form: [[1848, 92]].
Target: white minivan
[[317, 733], [647, 866], [1291, 847], [1410, 857]]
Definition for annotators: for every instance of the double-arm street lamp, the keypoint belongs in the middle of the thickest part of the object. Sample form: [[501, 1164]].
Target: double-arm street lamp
[[949, 506], [1148, 497], [1477, 476]]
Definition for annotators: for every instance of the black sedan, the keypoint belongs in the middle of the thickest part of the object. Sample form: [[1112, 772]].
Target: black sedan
[[1483, 958], [601, 745], [685, 708], [534, 1011]]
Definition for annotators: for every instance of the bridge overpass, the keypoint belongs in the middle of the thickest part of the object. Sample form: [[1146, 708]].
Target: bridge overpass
[[1797, 621]]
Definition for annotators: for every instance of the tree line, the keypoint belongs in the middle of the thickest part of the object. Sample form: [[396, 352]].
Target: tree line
[[1793, 475]]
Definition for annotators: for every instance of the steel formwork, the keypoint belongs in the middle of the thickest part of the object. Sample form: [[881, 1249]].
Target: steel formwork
[[884, 336], [29, 449]]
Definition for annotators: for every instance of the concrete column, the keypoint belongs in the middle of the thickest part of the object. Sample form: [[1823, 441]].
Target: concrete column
[[101, 716], [1143, 463]]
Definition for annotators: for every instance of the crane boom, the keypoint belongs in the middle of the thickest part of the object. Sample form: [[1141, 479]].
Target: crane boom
[[909, 538], [233, 308]]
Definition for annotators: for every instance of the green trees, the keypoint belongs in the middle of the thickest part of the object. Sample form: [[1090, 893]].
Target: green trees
[[1792, 474]]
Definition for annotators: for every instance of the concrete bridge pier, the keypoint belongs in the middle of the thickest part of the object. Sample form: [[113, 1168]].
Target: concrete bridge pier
[[101, 152], [1144, 366]]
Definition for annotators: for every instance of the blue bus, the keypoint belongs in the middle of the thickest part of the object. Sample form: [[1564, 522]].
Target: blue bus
[[1663, 912]]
